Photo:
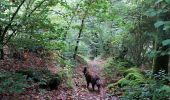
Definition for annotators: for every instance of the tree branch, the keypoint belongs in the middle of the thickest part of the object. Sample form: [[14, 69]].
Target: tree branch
[[36, 8], [11, 20]]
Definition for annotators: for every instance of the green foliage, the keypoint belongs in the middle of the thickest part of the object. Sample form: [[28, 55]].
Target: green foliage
[[44, 78], [82, 59], [108, 67], [166, 42], [132, 78], [159, 23], [149, 89], [132, 70], [117, 66], [124, 63], [67, 74], [12, 82]]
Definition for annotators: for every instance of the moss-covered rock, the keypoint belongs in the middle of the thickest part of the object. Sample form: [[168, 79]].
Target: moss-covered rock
[[132, 77]]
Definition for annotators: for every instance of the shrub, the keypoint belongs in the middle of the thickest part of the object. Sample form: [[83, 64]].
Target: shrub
[[116, 65], [109, 68], [67, 74], [44, 78], [123, 63], [150, 89], [131, 79], [131, 70], [11, 82]]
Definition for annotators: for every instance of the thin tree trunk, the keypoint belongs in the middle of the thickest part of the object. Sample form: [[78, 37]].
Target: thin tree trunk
[[12, 18], [78, 39], [4, 32]]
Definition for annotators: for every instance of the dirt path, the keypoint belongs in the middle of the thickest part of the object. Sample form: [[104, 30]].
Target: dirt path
[[82, 93]]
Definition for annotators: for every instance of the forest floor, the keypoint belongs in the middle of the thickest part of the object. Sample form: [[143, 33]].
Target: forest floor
[[82, 93], [78, 92]]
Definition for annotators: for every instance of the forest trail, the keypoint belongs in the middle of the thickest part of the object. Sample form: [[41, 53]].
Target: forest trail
[[81, 92]]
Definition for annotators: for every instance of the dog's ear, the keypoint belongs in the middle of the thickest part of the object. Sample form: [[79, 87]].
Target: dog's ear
[[85, 70]]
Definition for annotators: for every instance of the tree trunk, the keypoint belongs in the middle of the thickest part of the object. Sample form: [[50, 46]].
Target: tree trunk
[[161, 62], [79, 34], [78, 39]]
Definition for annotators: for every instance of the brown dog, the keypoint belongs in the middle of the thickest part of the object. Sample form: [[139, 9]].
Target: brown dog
[[91, 78]]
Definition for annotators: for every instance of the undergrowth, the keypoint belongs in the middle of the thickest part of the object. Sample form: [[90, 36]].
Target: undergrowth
[[11, 82], [117, 66], [145, 87]]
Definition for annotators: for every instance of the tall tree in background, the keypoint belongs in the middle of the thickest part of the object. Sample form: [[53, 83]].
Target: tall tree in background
[[89, 10]]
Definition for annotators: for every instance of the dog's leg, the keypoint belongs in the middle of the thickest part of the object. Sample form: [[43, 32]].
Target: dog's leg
[[88, 84], [93, 86]]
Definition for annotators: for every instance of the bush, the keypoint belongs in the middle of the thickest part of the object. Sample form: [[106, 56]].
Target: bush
[[123, 63], [12, 82], [131, 70], [44, 78], [109, 68], [131, 79], [116, 65], [150, 89], [67, 74]]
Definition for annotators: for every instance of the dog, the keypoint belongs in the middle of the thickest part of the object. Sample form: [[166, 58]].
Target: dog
[[91, 78]]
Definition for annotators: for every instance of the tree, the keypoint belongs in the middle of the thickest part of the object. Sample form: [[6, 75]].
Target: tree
[[23, 17], [162, 28]]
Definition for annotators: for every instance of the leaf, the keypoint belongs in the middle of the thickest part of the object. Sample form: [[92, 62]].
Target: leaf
[[152, 54], [166, 42], [158, 1], [167, 1], [151, 12], [166, 25], [166, 28], [163, 53], [159, 23]]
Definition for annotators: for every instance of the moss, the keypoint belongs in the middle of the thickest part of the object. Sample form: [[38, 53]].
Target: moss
[[132, 77], [132, 70], [123, 82], [110, 86]]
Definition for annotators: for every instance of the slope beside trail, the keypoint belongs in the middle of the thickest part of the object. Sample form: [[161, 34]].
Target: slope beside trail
[[78, 92], [81, 92]]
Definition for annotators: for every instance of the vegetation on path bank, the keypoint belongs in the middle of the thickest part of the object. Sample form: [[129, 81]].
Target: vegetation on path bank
[[46, 44]]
